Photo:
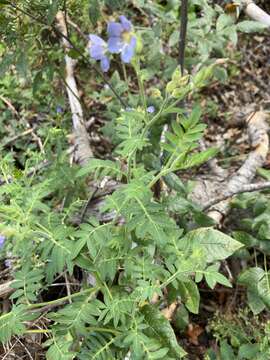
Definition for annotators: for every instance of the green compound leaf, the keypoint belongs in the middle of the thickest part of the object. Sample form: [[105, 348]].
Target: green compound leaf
[[249, 26], [215, 244], [190, 295], [160, 329], [251, 278]]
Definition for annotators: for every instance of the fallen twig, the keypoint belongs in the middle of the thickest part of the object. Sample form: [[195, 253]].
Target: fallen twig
[[6, 289], [83, 152], [9, 105], [77, 28], [38, 140], [244, 189], [213, 164], [257, 130], [16, 137], [255, 12]]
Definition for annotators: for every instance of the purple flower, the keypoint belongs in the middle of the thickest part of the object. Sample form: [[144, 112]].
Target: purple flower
[[97, 50], [59, 109], [121, 39], [7, 263], [2, 241], [151, 109]]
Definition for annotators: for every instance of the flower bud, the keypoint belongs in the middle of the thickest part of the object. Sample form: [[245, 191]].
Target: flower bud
[[203, 75], [170, 87], [155, 93]]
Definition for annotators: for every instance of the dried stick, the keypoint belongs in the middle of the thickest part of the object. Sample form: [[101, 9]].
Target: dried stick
[[16, 137], [255, 12], [6, 289], [77, 28], [213, 164], [244, 189], [9, 105], [83, 152], [257, 130]]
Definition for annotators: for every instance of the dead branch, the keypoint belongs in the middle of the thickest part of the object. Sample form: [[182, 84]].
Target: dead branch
[[16, 137], [6, 289], [213, 164], [9, 105], [212, 188], [257, 131], [244, 189], [255, 12], [83, 152], [77, 28]]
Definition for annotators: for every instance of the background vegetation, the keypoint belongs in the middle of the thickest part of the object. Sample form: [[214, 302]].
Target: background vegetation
[[107, 254]]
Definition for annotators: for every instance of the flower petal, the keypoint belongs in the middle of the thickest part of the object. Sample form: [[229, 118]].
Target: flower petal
[[115, 45], [128, 51], [151, 109], [133, 42], [2, 240], [59, 109], [105, 64], [96, 40], [96, 52], [114, 29], [126, 24], [7, 263], [97, 47]]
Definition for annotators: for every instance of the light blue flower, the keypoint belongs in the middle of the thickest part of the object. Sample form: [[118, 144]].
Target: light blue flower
[[121, 39], [2, 241], [97, 51], [59, 109], [151, 109], [8, 263]]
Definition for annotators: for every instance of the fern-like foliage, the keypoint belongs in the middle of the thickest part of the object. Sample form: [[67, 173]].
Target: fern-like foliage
[[186, 133], [118, 307], [55, 244], [60, 348], [102, 168], [145, 216], [130, 132], [12, 323], [147, 251], [78, 314], [27, 284], [99, 346]]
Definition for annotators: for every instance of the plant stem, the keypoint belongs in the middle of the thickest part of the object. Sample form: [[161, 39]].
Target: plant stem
[[156, 117], [38, 331], [168, 168], [90, 328], [63, 299], [266, 271], [100, 329], [141, 86], [125, 73]]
